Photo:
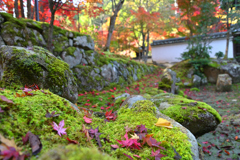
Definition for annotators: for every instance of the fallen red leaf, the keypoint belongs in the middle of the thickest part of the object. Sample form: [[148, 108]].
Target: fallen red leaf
[[72, 141]]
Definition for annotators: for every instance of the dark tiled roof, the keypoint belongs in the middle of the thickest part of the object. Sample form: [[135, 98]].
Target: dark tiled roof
[[183, 39]]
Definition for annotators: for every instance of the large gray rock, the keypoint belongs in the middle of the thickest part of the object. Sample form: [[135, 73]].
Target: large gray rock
[[197, 81], [218, 66], [106, 72], [74, 59], [224, 83], [36, 66], [85, 42], [12, 34], [1, 41], [132, 99]]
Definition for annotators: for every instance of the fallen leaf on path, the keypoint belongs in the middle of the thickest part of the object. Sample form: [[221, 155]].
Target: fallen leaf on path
[[164, 123]]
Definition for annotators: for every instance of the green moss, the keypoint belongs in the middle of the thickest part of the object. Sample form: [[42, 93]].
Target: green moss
[[181, 93], [164, 86], [70, 51], [78, 34], [73, 152], [34, 24], [152, 91], [32, 72], [178, 114], [144, 113], [28, 114], [9, 17], [89, 52], [194, 89], [182, 69], [214, 64]]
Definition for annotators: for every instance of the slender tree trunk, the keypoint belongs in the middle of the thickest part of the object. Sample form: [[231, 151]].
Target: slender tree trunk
[[33, 13], [227, 44], [228, 34], [22, 9], [50, 33], [16, 8], [146, 57], [29, 9], [143, 46], [42, 10], [110, 31], [112, 23]]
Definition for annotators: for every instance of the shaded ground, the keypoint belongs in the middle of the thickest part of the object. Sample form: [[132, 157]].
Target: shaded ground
[[224, 142]]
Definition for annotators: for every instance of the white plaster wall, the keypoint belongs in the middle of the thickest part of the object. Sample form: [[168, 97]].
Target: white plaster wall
[[170, 52]]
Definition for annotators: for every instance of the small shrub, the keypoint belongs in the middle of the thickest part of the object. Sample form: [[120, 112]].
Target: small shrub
[[219, 54], [194, 89]]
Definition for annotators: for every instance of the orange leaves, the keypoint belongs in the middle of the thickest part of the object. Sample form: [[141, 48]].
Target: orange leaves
[[94, 1]]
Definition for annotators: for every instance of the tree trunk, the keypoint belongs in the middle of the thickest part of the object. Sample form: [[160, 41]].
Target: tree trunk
[[33, 13], [22, 9], [143, 42], [42, 10], [227, 44], [16, 8], [29, 9], [110, 31], [146, 57], [112, 23], [50, 33]]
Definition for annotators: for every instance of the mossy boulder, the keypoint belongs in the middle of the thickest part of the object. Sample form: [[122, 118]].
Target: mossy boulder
[[198, 117], [28, 114], [74, 152], [20, 66]]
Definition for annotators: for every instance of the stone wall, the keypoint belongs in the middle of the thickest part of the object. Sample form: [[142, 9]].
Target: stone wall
[[91, 70]]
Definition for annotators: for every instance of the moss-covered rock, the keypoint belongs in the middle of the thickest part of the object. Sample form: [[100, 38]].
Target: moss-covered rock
[[74, 152], [28, 114], [198, 117], [20, 66]]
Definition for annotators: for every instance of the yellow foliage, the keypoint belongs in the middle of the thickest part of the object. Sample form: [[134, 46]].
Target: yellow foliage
[[164, 123]]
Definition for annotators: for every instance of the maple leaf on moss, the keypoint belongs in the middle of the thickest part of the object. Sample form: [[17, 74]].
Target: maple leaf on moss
[[131, 143], [93, 133], [157, 154], [59, 128], [164, 123], [53, 114], [141, 131]]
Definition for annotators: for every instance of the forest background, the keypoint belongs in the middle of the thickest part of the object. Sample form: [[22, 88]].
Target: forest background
[[129, 26]]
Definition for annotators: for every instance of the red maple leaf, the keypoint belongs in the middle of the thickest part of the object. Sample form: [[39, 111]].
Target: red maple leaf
[[131, 143], [157, 155], [110, 115]]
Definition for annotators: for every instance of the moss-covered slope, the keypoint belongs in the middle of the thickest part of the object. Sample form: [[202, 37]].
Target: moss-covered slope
[[28, 114]]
